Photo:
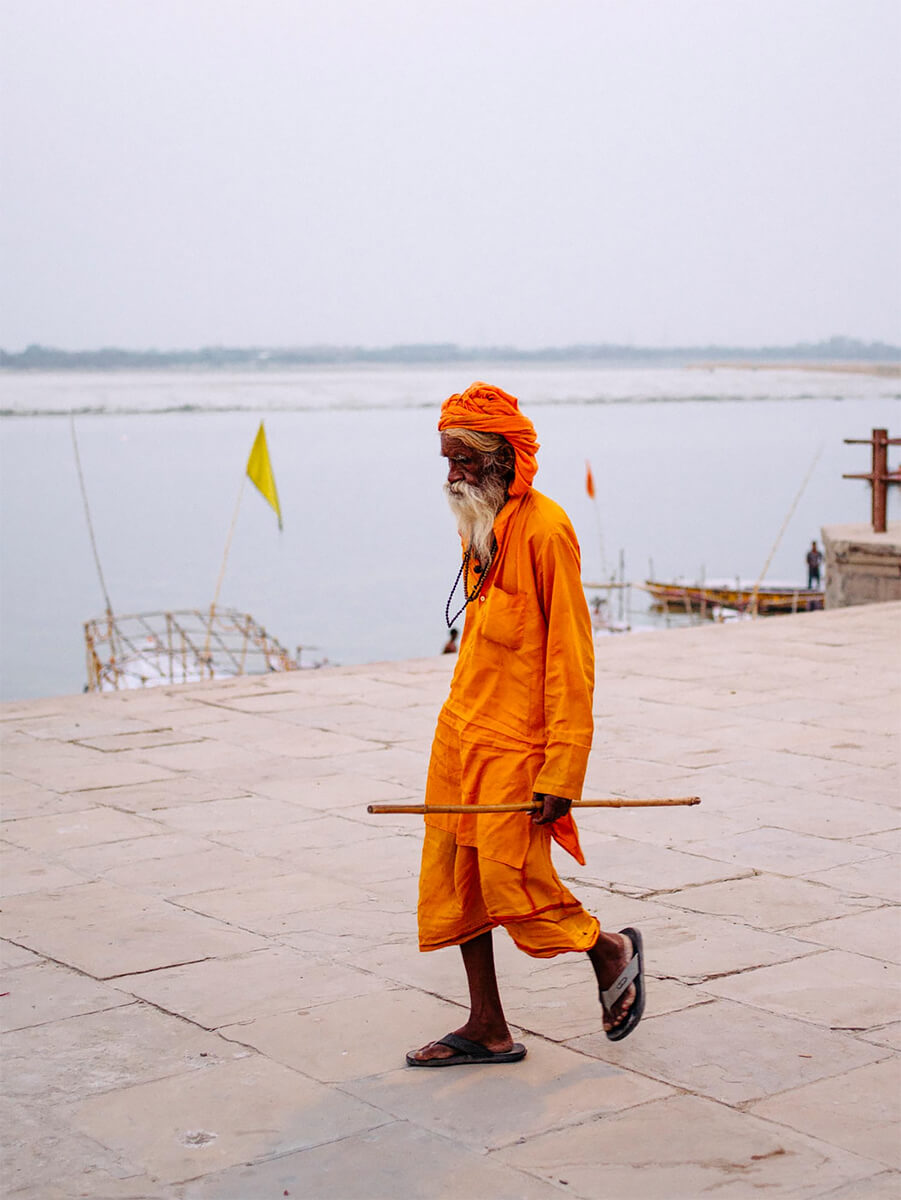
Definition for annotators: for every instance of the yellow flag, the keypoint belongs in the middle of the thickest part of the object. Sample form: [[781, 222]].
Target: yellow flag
[[259, 469]]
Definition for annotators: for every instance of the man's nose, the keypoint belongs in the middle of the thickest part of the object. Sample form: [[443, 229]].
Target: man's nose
[[454, 474]]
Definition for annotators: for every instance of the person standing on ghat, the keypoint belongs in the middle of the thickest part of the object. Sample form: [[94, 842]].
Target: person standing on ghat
[[814, 559], [517, 726]]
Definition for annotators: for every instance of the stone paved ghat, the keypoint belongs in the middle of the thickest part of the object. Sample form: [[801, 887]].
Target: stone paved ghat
[[210, 975]]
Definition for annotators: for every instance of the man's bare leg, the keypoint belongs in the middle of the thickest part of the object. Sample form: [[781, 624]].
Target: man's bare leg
[[487, 1024], [609, 955]]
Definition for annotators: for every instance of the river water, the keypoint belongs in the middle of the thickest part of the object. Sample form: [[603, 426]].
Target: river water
[[695, 469]]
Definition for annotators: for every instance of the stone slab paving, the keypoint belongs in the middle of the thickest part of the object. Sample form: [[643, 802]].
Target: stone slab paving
[[208, 966]]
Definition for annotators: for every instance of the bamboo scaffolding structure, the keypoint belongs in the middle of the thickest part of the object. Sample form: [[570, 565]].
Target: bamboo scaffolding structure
[[481, 809]]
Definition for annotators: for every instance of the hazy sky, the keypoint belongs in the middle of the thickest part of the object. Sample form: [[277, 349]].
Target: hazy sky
[[530, 172]]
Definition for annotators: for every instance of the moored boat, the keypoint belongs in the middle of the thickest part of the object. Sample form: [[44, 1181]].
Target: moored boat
[[742, 596]]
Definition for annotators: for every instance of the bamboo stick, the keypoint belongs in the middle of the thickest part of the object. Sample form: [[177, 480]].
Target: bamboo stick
[[480, 809], [228, 546]]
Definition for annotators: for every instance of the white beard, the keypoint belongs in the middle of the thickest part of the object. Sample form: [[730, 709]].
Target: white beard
[[475, 509]]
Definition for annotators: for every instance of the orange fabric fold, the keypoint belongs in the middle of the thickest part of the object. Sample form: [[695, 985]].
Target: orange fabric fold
[[462, 895], [488, 409]]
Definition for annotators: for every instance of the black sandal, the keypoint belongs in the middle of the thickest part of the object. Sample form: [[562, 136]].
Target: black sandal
[[633, 972], [468, 1052]]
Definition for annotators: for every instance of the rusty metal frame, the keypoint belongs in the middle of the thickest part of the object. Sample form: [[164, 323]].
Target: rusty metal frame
[[880, 477]]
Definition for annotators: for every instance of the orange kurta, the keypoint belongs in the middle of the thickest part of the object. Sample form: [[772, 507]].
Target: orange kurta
[[518, 720]]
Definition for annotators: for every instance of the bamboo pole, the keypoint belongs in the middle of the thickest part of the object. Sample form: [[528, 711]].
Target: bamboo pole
[[479, 810], [755, 599], [87, 513], [228, 546], [597, 513]]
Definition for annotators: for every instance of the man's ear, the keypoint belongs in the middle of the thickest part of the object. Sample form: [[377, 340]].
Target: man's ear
[[506, 460]]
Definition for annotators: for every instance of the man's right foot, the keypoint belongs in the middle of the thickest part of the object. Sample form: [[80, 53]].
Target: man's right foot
[[610, 955]]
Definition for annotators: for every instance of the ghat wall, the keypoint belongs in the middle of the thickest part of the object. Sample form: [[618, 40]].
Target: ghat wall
[[862, 567]]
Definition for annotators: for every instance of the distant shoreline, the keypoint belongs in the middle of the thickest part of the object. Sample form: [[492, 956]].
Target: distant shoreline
[[835, 354], [886, 370], [883, 370]]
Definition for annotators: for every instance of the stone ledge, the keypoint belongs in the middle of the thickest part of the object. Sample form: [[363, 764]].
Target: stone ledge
[[862, 567]]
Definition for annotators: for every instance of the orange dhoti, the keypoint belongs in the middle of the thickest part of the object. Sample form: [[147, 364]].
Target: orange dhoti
[[480, 872]]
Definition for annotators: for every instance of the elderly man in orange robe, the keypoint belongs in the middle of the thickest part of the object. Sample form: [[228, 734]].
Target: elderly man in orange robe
[[516, 727]]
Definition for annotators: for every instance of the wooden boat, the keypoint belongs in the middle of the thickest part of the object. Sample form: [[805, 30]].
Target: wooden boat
[[740, 596]]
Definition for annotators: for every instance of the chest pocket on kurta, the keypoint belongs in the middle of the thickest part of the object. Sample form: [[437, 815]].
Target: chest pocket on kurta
[[504, 618]]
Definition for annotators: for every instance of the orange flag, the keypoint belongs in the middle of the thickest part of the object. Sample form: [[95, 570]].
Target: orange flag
[[589, 479]]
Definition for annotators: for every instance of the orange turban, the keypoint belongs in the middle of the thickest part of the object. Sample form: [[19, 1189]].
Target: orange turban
[[489, 410]]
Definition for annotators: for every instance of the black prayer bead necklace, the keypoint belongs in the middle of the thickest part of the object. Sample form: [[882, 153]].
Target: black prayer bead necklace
[[481, 573]]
